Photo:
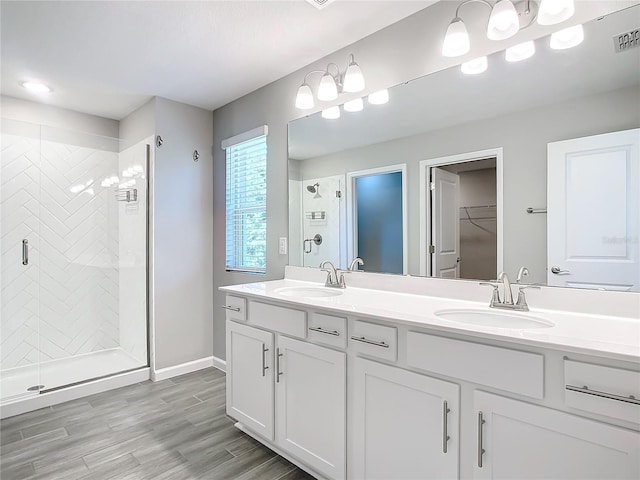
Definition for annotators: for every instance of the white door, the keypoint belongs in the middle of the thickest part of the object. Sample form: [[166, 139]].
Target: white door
[[445, 233], [311, 405], [400, 424], [250, 376], [522, 440], [594, 212]]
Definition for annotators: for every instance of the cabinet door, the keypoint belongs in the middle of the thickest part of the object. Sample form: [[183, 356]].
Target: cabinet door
[[250, 377], [528, 441], [311, 405], [400, 424]]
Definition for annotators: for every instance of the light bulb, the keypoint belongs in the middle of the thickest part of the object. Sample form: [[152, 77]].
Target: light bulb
[[567, 38], [353, 78], [503, 22], [520, 52], [379, 98], [475, 66], [355, 105], [456, 40], [304, 98], [36, 87], [555, 11], [328, 90], [331, 113]]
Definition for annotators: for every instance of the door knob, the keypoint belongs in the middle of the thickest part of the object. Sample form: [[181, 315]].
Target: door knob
[[558, 271]]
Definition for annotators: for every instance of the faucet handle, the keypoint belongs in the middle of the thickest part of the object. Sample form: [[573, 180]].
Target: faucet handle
[[495, 297], [522, 301]]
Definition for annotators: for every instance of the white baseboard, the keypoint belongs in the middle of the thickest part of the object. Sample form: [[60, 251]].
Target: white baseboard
[[220, 364], [164, 373], [27, 404]]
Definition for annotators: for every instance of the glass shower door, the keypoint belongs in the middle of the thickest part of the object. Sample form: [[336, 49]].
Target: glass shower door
[[20, 179]]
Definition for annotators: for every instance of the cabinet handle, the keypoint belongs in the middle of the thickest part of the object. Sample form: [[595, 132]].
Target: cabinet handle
[[25, 252], [370, 342], [278, 372], [233, 309], [264, 359], [481, 451], [630, 399], [445, 426], [335, 333]]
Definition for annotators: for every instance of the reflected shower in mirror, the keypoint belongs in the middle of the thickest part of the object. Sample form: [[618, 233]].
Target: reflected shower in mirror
[[499, 138]]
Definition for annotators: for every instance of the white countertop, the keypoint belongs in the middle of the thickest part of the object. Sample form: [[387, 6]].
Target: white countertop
[[602, 335]]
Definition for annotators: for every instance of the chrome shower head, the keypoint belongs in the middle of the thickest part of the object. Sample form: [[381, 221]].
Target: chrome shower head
[[313, 188]]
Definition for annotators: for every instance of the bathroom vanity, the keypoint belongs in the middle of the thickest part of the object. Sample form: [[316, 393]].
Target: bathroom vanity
[[368, 383]]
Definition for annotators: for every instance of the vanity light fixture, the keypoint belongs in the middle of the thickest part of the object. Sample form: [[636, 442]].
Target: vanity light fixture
[[36, 87], [520, 52], [331, 84], [355, 105], [552, 12], [456, 40], [475, 66], [331, 113], [379, 98], [567, 38], [503, 21]]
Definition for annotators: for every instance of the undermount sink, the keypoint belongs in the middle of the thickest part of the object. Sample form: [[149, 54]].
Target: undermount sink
[[493, 319], [309, 292]]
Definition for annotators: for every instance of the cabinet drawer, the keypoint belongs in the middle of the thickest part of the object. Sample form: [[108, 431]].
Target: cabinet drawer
[[279, 319], [235, 308], [510, 370], [328, 330], [375, 340], [603, 390]]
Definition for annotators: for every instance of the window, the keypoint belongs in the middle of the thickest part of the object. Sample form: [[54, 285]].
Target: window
[[246, 185]]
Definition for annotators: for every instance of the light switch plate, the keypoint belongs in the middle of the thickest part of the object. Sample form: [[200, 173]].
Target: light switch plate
[[282, 246]]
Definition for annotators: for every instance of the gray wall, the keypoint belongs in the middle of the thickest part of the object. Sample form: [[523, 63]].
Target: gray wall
[[403, 51]]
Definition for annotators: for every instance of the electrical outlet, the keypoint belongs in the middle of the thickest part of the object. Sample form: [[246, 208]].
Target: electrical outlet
[[282, 246]]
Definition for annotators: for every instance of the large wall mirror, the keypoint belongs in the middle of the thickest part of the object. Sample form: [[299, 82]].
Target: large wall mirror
[[532, 163]]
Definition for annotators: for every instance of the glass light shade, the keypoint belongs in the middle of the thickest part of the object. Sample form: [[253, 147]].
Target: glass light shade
[[475, 66], [355, 105], [379, 98], [36, 87], [456, 40], [331, 113], [353, 79], [328, 90], [555, 11], [520, 52], [503, 22], [567, 38], [304, 98]]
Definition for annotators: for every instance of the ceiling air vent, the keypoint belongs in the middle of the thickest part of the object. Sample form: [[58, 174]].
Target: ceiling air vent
[[320, 4], [626, 41]]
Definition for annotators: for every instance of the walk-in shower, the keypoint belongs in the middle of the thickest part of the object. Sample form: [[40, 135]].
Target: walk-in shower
[[73, 258]]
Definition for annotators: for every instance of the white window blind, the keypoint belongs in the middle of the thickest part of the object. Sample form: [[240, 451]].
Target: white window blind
[[246, 184]]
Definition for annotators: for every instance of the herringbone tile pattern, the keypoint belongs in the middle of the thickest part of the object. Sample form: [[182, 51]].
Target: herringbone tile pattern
[[66, 301], [171, 430]]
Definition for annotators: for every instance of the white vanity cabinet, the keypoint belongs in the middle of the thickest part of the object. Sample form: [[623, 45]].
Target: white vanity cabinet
[[404, 425], [521, 440]]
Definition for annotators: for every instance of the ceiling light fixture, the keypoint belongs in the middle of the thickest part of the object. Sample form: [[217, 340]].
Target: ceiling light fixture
[[36, 87], [331, 84], [475, 66], [552, 12], [520, 52], [379, 98], [567, 38]]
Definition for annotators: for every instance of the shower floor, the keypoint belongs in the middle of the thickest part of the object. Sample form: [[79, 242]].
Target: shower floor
[[58, 373]]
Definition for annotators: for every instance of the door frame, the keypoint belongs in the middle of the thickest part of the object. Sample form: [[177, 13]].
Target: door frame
[[425, 201], [352, 216]]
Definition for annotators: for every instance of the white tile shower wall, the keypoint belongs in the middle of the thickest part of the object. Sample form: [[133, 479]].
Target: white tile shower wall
[[66, 302], [132, 254]]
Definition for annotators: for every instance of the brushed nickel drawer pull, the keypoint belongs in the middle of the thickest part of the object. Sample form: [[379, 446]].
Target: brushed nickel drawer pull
[[232, 308], [278, 372], [25, 252], [335, 333], [481, 450], [445, 426], [370, 342], [264, 360], [630, 399]]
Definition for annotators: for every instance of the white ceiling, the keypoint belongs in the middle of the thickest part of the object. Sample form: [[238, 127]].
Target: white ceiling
[[108, 58]]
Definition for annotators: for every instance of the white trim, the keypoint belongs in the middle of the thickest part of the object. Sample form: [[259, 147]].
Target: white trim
[[220, 364], [73, 392], [352, 221], [425, 207], [183, 368], [260, 131]]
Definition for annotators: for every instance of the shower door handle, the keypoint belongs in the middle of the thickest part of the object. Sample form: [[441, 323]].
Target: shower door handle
[[25, 251]]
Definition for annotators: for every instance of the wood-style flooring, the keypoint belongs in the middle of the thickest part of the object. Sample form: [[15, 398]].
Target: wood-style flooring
[[174, 429]]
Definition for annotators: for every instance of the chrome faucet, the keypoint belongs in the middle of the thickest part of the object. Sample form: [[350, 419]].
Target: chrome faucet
[[521, 303], [353, 266], [335, 278]]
